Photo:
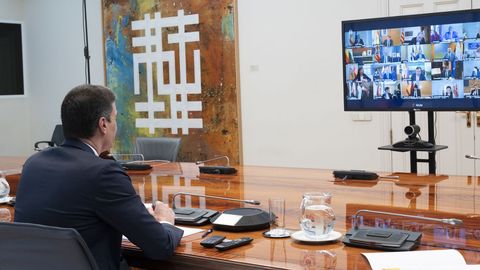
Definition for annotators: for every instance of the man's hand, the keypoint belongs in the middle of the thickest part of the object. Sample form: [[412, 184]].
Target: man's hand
[[162, 212]]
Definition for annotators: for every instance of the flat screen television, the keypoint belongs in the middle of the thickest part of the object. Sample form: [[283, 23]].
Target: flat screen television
[[425, 62], [11, 59]]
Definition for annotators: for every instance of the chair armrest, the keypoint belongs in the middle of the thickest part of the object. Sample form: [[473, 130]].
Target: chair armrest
[[37, 148]]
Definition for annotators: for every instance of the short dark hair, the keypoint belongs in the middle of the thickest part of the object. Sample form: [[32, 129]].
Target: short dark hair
[[82, 107]]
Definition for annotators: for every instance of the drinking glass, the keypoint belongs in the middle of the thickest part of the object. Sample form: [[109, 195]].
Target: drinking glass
[[318, 218], [276, 209]]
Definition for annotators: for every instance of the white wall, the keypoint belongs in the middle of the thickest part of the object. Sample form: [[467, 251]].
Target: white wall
[[292, 111], [292, 107], [55, 49], [14, 111], [54, 63]]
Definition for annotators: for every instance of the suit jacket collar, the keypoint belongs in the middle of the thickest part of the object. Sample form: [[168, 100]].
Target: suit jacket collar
[[76, 143]]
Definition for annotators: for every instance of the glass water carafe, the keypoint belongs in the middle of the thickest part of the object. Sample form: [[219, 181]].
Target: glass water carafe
[[318, 218]]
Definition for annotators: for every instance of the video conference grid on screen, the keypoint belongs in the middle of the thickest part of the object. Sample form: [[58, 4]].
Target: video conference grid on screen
[[421, 64]]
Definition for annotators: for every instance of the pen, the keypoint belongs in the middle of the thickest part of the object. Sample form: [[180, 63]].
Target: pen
[[207, 232], [153, 205]]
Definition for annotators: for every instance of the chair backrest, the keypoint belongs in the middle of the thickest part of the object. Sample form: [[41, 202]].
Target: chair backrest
[[158, 148], [57, 139], [33, 246], [57, 136]]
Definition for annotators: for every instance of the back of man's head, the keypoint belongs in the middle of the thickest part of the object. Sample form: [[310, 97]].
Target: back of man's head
[[82, 107]]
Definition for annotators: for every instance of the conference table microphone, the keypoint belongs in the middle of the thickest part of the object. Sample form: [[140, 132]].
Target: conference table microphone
[[451, 221], [254, 202], [246, 219], [386, 238], [216, 169], [471, 157]]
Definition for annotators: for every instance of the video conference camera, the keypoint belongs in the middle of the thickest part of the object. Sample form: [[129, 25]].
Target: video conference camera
[[412, 130], [413, 140]]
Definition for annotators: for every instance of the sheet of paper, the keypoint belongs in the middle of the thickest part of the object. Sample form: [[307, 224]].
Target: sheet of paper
[[227, 219], [411, 259], [186, 231], [189, 231], [444, 267], [436, 267]]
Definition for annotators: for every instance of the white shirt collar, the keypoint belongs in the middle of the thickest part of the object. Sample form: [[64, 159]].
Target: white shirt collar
[[93, 149]]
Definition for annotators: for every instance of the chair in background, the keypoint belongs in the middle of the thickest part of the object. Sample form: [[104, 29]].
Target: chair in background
[[158, 148], [57, 139], [33, 246]]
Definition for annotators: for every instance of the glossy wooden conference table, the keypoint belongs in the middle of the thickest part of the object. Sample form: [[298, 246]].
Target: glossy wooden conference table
[[432, 196]]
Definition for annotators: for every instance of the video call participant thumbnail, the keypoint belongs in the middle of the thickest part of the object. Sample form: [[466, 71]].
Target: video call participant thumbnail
[[418, 75]]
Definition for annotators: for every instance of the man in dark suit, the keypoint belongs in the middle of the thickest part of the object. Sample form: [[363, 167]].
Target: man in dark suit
[[418, 75], [71, 186], [448, 92], [386, 94], [416, 92], [475, 73], [388, 74], [450, 55], [388, 41]]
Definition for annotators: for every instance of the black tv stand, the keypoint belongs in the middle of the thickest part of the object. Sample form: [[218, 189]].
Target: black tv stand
[[419, 146]]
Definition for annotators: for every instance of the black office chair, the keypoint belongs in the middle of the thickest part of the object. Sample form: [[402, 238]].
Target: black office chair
[[33, 246], [158, 148], [57, 139]]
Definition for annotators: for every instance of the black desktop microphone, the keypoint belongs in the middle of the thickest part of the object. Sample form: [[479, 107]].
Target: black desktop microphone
[[216, 169], [249, 219]]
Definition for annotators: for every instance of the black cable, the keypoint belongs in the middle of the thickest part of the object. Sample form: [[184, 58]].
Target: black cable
[[85, 42]]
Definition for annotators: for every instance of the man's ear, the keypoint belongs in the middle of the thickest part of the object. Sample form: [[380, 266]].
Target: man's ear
[[102, 125]]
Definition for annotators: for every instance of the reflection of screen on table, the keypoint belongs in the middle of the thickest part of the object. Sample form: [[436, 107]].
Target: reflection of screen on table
[[419, 62]]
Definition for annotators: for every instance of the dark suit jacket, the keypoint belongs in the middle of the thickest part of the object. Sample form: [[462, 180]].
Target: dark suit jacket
[[390, 76], [69, 186], [413, 77]]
